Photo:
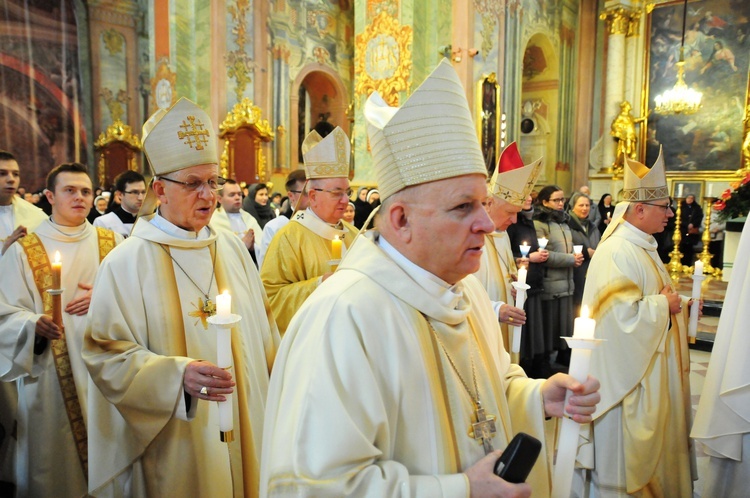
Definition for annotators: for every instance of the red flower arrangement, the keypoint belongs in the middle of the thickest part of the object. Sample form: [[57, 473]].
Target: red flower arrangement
[[735, 201]]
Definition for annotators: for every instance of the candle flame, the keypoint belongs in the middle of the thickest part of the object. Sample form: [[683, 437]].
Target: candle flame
[[524, 243], [58, 259], [225, 293], [336, 238], [584, 311]]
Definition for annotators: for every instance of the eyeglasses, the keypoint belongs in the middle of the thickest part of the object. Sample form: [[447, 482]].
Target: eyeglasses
[[214, 184], [336, 193], [663, 206], [136, 193]]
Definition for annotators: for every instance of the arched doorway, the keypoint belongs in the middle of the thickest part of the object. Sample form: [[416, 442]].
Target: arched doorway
[[318, 95]]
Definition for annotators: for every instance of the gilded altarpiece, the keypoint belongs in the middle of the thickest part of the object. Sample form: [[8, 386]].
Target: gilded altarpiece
[[118, 150], [244, 130]]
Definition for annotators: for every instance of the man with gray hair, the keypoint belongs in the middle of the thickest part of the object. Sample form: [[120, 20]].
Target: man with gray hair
[[392, 379], [300, 256]]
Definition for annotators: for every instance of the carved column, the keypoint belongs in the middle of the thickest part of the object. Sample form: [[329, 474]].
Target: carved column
[[633, 56], [617, 20]]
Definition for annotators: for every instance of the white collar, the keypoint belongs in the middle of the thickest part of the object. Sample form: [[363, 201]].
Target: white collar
[[167, 226]]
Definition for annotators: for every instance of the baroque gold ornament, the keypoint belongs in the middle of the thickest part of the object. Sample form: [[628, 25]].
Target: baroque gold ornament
[[383, 61]]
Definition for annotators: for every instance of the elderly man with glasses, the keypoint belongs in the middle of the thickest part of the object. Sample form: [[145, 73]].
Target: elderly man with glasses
[[306, 251], [149, 348], [640, 443], [131, 187]]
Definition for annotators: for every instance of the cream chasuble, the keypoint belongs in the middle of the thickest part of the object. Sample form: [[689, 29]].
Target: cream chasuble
[[722, 422], [238, 224], [297, 257], [145, 326], [363, 400], [47, 462], [497, 269], [640, 441]]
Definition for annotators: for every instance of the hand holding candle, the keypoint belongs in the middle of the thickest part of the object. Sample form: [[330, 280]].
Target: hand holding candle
[[223, 322], [582, 343], [577, 249], [521, 287]]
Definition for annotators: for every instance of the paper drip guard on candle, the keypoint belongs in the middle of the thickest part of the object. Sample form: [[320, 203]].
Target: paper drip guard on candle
[[698, 278], [543, 243], [223, 325], [525, 248], [567, 448], [521, 289]]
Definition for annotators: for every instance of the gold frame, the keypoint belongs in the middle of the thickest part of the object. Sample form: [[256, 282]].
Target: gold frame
[[688, 176], [492, 77], [244, 115], [385, 26]]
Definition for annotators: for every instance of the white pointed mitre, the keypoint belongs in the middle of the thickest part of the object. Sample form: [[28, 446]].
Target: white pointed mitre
[[431, 137], [512, 181], [644, 184], [179, 138], [327, 157]]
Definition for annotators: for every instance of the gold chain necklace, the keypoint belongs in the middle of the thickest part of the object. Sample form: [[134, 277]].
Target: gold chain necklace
[[483, 430], [205, 308]]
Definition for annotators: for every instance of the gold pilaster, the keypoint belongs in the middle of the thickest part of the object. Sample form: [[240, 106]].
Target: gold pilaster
[[619, 19]]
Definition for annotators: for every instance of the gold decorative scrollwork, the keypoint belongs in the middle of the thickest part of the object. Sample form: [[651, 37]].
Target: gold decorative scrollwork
[[383, 60], [619, 20], [746, 144], [118, 132], [113, 41], [239, 64], [245, 114]]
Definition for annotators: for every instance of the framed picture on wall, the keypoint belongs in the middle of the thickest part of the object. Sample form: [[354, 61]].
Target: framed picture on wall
[[683, 188], [717, 62]]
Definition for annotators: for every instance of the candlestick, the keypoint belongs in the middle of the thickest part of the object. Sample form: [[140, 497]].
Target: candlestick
[[543, 242], [525, 248], [516, 330], [57, 271], [577, 249], [336, 248], [581, 344], [696, 296], [223, 327]]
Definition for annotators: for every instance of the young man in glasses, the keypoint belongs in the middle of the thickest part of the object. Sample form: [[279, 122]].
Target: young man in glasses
[[131, 187], [640, 439], [300, 256]]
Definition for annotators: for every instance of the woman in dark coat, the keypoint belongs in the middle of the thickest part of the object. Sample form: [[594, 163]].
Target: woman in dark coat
[[606, 210], [256, 203], [362, 208], [585, 234], [534, 354]]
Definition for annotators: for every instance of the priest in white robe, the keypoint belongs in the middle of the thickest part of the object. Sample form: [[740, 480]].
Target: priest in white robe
[[392, 379], [154, 424], [640, 442], [722, 422], [300, 256], [296, 192], [17, 218], [230, 216], [43, 361], [130, 187], [507, 191]]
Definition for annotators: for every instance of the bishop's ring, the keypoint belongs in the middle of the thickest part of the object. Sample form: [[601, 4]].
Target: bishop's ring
[[204, 390]]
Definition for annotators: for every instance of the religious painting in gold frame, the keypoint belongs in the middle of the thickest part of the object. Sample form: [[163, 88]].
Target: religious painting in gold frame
[[488, 119], [708, 144]]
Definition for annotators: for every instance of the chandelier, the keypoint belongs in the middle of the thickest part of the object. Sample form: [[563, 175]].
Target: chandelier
[[679, 99]]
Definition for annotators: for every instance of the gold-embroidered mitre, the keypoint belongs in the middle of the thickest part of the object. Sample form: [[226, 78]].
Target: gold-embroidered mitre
[[178, 138], [431, 137], [327, 157], [644, 184], [512, 181]]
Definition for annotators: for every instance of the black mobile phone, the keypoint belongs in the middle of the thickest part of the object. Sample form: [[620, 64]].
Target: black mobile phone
[[518, 458]]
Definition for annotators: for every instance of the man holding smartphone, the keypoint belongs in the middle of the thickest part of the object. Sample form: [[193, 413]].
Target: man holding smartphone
[[393, 378]]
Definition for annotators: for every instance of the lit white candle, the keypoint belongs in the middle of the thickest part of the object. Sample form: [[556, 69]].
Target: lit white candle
[[543, 242], [710, 190], [525, 248], [522, 275], [57, 271], [224, 357], [696, 296], [679, 191], [581, 345], [336, 248]]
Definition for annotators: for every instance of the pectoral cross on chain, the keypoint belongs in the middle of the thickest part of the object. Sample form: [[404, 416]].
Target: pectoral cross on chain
[[484, 429]]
